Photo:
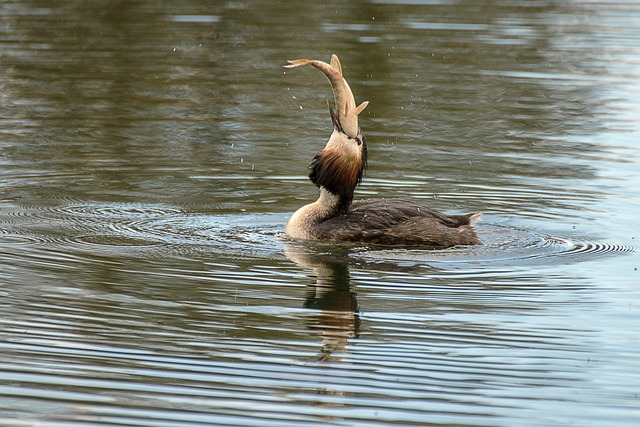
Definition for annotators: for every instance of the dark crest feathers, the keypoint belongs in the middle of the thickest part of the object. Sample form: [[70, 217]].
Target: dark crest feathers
[[339, 175], [335, 172]]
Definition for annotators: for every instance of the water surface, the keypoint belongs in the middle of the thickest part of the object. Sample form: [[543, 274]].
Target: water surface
[[150, 155]]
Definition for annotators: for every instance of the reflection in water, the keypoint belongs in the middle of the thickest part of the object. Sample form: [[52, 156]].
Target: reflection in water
[[451, 332], [119, 108], [338, 318]]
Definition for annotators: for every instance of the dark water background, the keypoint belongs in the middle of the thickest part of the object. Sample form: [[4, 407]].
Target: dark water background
[[151, 153]]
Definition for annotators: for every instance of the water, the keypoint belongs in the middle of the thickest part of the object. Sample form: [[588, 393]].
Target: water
[[151, 154]]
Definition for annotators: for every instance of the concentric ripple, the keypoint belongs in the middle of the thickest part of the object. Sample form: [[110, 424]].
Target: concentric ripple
[[136, 229], [155, 229], [503, 244], [597, 248]]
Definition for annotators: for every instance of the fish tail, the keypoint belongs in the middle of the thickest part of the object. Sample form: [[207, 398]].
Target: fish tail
[[333, 68], [294, 63]]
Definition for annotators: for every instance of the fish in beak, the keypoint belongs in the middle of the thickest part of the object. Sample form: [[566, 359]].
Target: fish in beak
[[345, 116]]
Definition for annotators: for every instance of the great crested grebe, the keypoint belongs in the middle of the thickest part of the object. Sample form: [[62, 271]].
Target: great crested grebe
[[338, 169]]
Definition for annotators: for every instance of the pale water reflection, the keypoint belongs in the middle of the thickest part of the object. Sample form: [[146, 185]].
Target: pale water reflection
[[151, 153]]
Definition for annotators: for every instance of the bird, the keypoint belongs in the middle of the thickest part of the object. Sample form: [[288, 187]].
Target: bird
[[337, 170]]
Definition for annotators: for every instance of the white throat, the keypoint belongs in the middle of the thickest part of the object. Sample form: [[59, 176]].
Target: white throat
[[301, 224]]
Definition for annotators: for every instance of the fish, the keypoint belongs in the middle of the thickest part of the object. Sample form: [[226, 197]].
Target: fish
[[346, 111]]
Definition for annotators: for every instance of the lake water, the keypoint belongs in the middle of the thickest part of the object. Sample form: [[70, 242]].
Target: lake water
[[151, 153]]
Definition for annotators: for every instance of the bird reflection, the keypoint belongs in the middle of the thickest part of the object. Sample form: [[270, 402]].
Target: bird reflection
[[337, 320]]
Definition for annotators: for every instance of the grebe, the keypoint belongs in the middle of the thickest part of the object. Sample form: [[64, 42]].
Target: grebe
[[339, 168]]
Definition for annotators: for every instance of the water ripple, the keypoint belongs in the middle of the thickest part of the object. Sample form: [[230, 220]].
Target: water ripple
[[503, 244], [155, 229], [445, 371], [152, 229]]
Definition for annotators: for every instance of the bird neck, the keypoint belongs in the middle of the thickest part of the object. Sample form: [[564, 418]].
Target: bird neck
[[330, 204], [304, 221]]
